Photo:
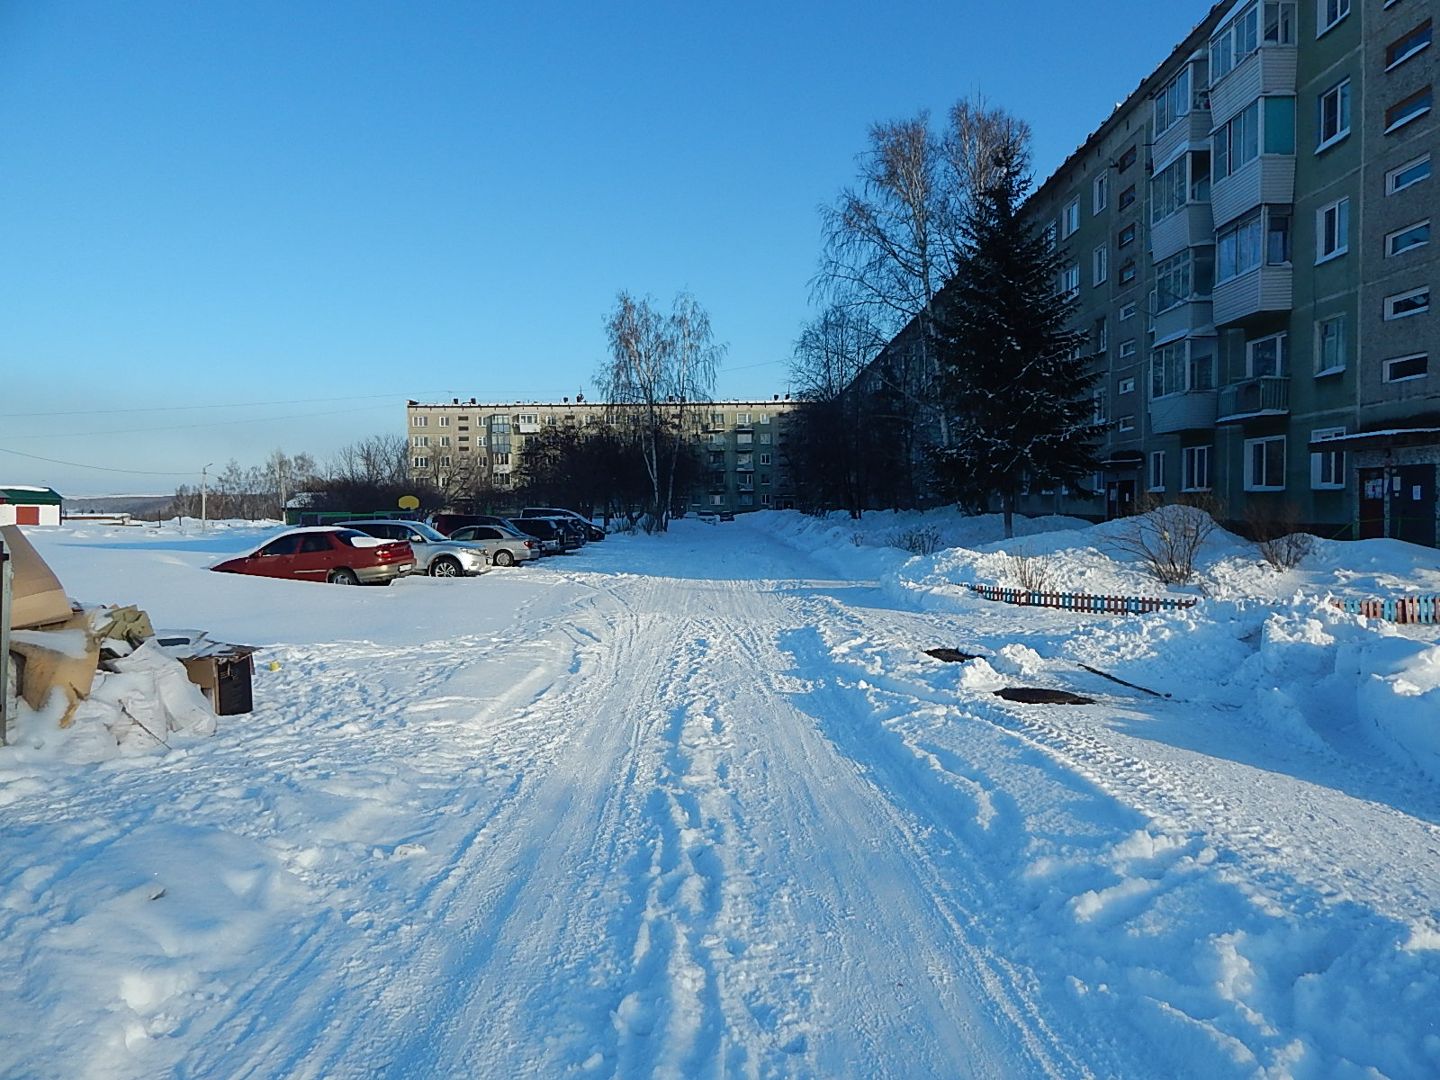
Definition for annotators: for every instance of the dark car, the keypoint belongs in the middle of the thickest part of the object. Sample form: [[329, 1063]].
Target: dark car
[[573, 527], [326, 553], [592, 531], [553, 539]]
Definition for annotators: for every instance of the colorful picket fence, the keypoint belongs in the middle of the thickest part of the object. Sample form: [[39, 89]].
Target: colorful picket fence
[[1087, 602], [1400, 609]]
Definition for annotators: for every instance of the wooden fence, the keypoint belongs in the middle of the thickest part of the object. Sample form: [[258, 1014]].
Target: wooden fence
[[1097, 605], [1400, 609]]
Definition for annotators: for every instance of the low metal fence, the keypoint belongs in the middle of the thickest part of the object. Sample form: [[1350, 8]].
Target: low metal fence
[[1086, 602]]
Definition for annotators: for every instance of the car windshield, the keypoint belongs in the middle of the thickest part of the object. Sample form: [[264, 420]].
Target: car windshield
[[426, 531]]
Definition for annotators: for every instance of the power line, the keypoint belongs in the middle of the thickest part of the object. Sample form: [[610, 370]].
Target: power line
[[154, 429], [217, 405], [98, 468]]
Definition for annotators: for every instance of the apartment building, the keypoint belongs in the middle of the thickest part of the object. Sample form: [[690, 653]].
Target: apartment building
[[740, 444], [1248, 244]]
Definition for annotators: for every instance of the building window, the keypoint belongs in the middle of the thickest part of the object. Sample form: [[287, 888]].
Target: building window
[[1401, 305], [1122, 163], [1126, 386], [1327, 467], [1100, 264], [1127, 272], [1195, 461], [1334, 115], [1070, 219], [764, 459], [1181, 366], [1405, 368], [1126, 236], [1412, 236], [742, 419], [1127, 311], [1101, 192], [419, 421], [1267, 356], [1173, 102], [1265, 464], [1238, 249], [420, 440], [421, 462], [1127, 349], [1097, 406], [1157, 470], [1411, 108], [1127, 197], [1404, 48], [1329, 13], [1239, 38], [1168, 189], [1407, 175], [1330, 345], [1070, 280], [444, 440], [1126, 423], [1237, 143], [1181, 278], [445, 461], [1332, 230]]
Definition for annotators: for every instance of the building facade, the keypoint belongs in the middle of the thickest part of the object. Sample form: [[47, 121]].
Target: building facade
[[1248, 243], [740, 445]]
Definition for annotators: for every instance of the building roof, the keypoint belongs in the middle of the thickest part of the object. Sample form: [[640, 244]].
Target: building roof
[[471, 403], [27, 493]]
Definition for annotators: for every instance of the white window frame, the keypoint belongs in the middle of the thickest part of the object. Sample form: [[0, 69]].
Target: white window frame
[[1390, 238], [1341, 90], [419, 421], [1126, 385], [1343, 320], [1418, 47], [1100, 192], [1282, 341], [1341, 210], [419, 440], [1405, 118], [1125, 423], [420, 463], [1389, 366], [1251, 483], [1323, 9], [1097, 405], [1070, 280], [1127, 311], [1100, 264], [1190, 471], [1319, 459], [1392, 184], [1391, 302], [1127, 349], [1156, 474], [1070, 219], [764, 459]]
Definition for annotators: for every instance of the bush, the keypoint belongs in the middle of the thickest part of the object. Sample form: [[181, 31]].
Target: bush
[[1166, 538], [1275, 530], [919, 540], [1033, 573]]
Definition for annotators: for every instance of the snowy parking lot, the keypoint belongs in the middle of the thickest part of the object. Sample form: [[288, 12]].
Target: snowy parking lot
[[700, 805]]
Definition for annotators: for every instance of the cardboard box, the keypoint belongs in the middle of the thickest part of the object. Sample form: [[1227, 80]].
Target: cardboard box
[[223, 672], [37, 598]]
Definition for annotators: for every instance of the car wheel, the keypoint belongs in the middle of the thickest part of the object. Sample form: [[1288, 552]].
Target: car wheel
[[445, 567], [342, 575], [503, 558]]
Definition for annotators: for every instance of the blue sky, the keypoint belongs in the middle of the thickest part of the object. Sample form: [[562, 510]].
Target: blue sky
[[227, 227]]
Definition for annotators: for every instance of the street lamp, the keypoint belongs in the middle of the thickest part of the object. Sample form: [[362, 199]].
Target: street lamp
[[202, 494]]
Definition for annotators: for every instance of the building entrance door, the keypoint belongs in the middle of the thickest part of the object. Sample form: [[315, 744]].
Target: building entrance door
[[1119, 499], [1412, 504], [1372, 504]]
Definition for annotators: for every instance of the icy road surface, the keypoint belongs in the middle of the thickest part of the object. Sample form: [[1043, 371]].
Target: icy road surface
[[692, 806]]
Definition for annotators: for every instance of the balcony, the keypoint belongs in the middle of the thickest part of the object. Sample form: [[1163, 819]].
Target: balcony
[[1188, 411], [1268, 179], [1271, 69], [1264, 289], [1264, 395], [1182, 319], [1190, 226]]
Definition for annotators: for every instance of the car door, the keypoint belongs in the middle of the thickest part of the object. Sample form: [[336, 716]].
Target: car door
[[275, 559], [316, 557]]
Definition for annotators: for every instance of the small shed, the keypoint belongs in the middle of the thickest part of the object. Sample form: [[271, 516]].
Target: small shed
[[22, 504]]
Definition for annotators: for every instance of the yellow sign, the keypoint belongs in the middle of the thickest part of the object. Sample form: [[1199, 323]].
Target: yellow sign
[[409, 502]]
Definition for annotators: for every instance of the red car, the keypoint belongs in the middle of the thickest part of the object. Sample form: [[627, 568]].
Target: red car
[[326, 553]]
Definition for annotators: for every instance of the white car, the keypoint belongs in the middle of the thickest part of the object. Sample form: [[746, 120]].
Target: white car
[[435, 553]]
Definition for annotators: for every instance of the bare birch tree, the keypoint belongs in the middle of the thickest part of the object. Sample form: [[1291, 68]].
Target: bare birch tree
[[660, 369]]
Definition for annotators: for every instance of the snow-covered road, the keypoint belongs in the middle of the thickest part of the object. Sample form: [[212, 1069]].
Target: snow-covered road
[[696, 806]]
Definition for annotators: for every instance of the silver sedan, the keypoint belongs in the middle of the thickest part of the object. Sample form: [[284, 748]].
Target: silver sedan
[[504, 546], [435, 553]]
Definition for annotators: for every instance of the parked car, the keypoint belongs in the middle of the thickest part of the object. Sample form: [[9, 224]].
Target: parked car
[[435, 554], [506, 547], [592, 531], [572, 527], [448, 523], [326, 553], [553, 539]]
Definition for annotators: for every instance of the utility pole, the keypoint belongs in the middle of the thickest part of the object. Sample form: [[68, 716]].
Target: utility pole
[[6, 597], [202, 495]]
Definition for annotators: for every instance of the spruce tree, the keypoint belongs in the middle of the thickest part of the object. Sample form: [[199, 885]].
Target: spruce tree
[[1011, 376]]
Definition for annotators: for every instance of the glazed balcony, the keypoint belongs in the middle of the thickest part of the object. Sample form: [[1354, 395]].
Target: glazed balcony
[[1188, 411], [1255, 292]]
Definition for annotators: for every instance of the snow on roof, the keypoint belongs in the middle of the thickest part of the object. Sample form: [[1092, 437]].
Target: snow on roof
[[22, 491]]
